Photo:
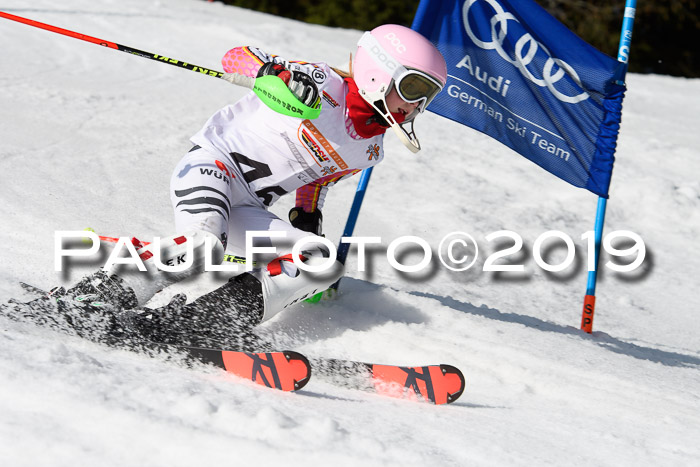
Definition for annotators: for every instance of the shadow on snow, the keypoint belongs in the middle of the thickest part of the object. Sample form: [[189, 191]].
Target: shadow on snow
[[602, 339]]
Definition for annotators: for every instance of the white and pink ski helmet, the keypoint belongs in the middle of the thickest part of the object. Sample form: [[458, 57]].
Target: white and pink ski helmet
[[396, 56]]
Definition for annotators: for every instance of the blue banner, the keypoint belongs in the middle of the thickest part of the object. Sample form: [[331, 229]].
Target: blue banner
[[520, 76]]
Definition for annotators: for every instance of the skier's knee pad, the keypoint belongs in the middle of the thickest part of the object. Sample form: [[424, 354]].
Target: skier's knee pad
[[170, 260], [284, 285]]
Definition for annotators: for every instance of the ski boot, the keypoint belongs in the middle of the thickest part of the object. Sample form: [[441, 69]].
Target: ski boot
[[223, 318]]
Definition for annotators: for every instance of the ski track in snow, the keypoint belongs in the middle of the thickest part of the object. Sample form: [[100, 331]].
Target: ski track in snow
[[90, 137]]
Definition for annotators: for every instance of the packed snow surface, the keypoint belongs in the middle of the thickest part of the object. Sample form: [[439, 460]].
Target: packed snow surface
[[89, 139]]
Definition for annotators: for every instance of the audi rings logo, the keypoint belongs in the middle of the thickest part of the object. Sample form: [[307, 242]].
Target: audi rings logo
[[526, 48]]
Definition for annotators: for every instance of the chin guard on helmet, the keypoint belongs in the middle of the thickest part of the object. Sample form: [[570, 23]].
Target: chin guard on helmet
[[403, 130]]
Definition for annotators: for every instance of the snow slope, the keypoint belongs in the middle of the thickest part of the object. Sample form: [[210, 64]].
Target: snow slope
[[89, 138]]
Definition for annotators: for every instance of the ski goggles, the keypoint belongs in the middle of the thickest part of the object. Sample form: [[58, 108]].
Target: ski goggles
[[414, 86]]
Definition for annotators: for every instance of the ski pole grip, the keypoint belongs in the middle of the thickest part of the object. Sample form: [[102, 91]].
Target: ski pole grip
[[239, 80], [275, 94]]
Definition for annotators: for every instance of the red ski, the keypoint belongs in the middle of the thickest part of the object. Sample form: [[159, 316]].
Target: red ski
[[437, 384], [285, 370]]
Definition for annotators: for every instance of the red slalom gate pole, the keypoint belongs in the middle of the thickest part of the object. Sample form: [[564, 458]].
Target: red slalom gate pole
[[112, 45]]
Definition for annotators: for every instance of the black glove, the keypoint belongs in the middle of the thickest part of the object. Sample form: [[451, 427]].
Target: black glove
[[306, 221], [301, 84]]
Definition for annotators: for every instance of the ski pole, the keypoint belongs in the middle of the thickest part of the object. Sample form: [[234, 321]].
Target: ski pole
[[270, 89], [344, 248]]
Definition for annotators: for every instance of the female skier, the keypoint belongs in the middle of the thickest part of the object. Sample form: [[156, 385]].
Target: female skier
[[244, 158]]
